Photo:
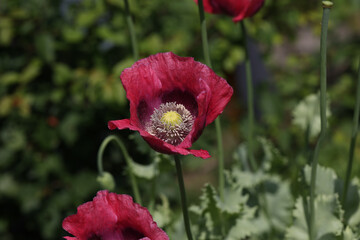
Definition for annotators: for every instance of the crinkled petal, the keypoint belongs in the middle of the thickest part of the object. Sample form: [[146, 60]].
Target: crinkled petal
[[252, 8], [166, 77], [92, 217], [156, 143], [112, 216], [238, 9]]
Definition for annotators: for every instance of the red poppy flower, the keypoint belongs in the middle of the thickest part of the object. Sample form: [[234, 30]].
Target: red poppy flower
[[172, 99], [112, 216], [238, 9]]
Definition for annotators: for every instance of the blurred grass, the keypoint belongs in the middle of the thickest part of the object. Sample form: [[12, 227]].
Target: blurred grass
[[59, 67]]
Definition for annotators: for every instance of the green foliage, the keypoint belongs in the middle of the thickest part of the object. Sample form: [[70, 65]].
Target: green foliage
[[220, 219], [328, 223], [329, 213], [60, 63], [307, 114]]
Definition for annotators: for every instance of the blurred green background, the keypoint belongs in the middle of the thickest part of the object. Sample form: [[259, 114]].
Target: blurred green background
[[60, 63]]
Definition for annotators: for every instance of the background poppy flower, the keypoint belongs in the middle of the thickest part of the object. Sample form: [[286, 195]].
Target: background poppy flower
[[112, 216], [172, 99], [238, 9]]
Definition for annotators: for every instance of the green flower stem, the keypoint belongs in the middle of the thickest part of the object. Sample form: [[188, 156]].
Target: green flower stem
[[132, 31], [183, 197], [204, 33], [127, 159], [324, 27], [353, 139], [217, 120], [250, 98]]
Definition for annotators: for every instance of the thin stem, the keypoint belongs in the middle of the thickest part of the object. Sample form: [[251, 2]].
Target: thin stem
[[132, 31], [204, 37], [250, 98], [206, 51], [221, 157], [324, 27], [127, 159], [353, 140], [183, 197]]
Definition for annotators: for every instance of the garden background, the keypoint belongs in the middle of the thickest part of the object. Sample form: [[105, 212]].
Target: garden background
[[60, 63]]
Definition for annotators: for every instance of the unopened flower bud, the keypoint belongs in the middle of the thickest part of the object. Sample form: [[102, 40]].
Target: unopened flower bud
[[106, 181]]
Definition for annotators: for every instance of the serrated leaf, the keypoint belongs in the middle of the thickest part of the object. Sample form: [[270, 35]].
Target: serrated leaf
[[233, 201], [218, 217], [209, 205], [307, 113], [352, 208], [349, 235], [325, 179], [271, 154], [241, 156], [248, 179], [279, 204], [327, 219], [244, 226], [162, 214]]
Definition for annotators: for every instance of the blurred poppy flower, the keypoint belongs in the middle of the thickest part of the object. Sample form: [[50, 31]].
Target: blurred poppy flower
[[112, 216], [238, 9], [172, 99]]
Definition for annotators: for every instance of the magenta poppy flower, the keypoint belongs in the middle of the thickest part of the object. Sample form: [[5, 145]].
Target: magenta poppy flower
[[172, 99], [238, 9], [112, 216]]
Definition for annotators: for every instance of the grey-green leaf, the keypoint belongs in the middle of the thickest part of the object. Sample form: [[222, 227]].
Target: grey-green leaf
[[328, 222], [307, 113]]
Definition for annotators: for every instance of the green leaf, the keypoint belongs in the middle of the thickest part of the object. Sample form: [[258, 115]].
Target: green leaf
[[233, 201], [9, 78], [143, 171], [31, 71], [307, 113], [328, 222], [271, 154], [352, 207], [244, 226], [217, 217], [209, 214], [6, 31], [45, 46], [325, 179], [248, 179], [348, 234], [162, 214], [62, 74], [279, 204], [72, 34]]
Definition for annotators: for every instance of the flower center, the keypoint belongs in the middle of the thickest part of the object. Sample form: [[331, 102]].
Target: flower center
[[171, 119], [171, 122]]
